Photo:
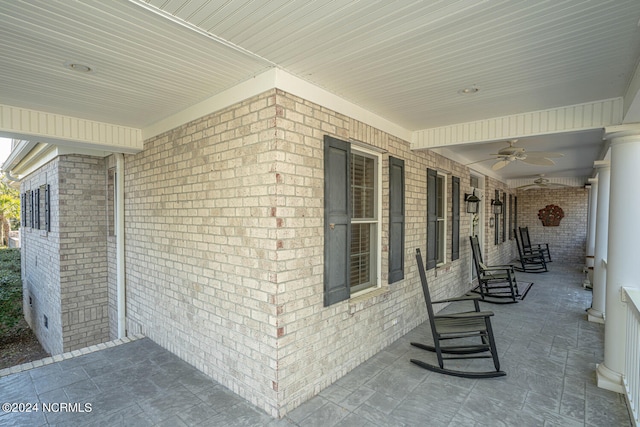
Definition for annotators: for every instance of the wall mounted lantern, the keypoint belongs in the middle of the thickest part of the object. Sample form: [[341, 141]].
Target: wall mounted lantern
[[472, 202], [496, 206]]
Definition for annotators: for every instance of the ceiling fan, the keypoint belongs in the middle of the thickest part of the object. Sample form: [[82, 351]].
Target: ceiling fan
[[541, 182], [511, 153]]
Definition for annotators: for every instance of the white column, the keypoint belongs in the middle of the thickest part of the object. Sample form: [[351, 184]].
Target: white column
[[597, 311], [622, 252], [591, 231]]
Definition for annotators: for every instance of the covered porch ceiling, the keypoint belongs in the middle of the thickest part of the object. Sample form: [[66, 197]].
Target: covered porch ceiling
[[406, 62]]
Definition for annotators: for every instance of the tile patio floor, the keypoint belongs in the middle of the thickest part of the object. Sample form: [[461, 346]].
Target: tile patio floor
[[546, 346]]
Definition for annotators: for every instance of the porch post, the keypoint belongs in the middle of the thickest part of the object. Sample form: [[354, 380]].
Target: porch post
[[599, 281], [591, 231], [622, 252]]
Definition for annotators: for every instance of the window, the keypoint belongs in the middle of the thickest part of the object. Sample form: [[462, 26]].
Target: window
[[364, 222], [352, 220], [436, 218]]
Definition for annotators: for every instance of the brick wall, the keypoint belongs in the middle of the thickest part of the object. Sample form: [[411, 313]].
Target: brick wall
[[567, 242], [64, 270], [203, 219], [505, 251], [83, 257], [224, 240], [41, 266], [224, 249]]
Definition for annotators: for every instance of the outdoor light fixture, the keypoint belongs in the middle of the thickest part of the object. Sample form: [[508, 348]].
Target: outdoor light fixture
[[472, 202], [496, 206]]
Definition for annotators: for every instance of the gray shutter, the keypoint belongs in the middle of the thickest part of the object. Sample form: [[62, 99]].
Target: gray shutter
[[515, 213], [504, 216], [23, 209], [35, 199], [47, 207], [396, 219], [455, 218], [31, 208], [496, 236], [510, 216], [432, 218], [337, 221]]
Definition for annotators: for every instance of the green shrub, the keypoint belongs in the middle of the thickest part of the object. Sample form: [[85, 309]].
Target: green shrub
[[10, 289]]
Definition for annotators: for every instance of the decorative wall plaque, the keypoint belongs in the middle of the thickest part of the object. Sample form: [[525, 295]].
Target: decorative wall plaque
[[551, 215]]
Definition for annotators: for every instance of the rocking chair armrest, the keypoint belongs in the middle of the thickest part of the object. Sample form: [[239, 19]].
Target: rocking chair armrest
[[498, 267], [535, 253], [465, 297], [465, 315]]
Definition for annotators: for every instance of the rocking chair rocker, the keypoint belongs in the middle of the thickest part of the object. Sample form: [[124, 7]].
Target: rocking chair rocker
[[529, 248], [533, 262], [464, 325], [496, 283]]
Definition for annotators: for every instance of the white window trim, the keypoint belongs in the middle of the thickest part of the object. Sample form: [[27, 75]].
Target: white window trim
[[445, 207], [378, 240]]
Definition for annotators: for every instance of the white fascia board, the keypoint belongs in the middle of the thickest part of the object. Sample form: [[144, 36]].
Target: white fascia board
[[40, 126], [299, 87], [571, 118], [632, 99], [245, 90], [30, 156], [23, 148], [275, 78]]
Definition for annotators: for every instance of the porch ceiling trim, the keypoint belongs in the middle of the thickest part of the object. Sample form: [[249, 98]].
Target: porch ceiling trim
[[571, 118], [40, 126], [276, 78]]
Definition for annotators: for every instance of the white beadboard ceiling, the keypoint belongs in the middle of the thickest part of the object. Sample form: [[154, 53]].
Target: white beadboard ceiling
[[405, 61]]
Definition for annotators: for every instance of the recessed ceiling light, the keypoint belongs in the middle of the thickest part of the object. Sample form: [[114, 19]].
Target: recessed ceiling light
[[468, 90], [76, 66]]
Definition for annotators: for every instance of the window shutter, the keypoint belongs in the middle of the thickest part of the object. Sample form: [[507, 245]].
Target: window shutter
[[455, 218], [510, 216], [37, 209], [337, 222], [515, 213], [33, 211], [432, 219], [504, 216], [496, 237], [47, 208], [23, 209], [396, 219]]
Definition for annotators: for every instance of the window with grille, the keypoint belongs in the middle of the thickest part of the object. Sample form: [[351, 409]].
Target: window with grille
[[352, 220], [364, 222]]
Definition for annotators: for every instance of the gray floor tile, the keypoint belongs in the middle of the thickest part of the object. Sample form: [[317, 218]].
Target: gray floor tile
[[546, 346]]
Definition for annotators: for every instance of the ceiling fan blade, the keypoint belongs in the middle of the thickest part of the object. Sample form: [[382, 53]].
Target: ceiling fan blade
[[526, 187], [538, 154], [542, 161], [500, 164], [478, 161]]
